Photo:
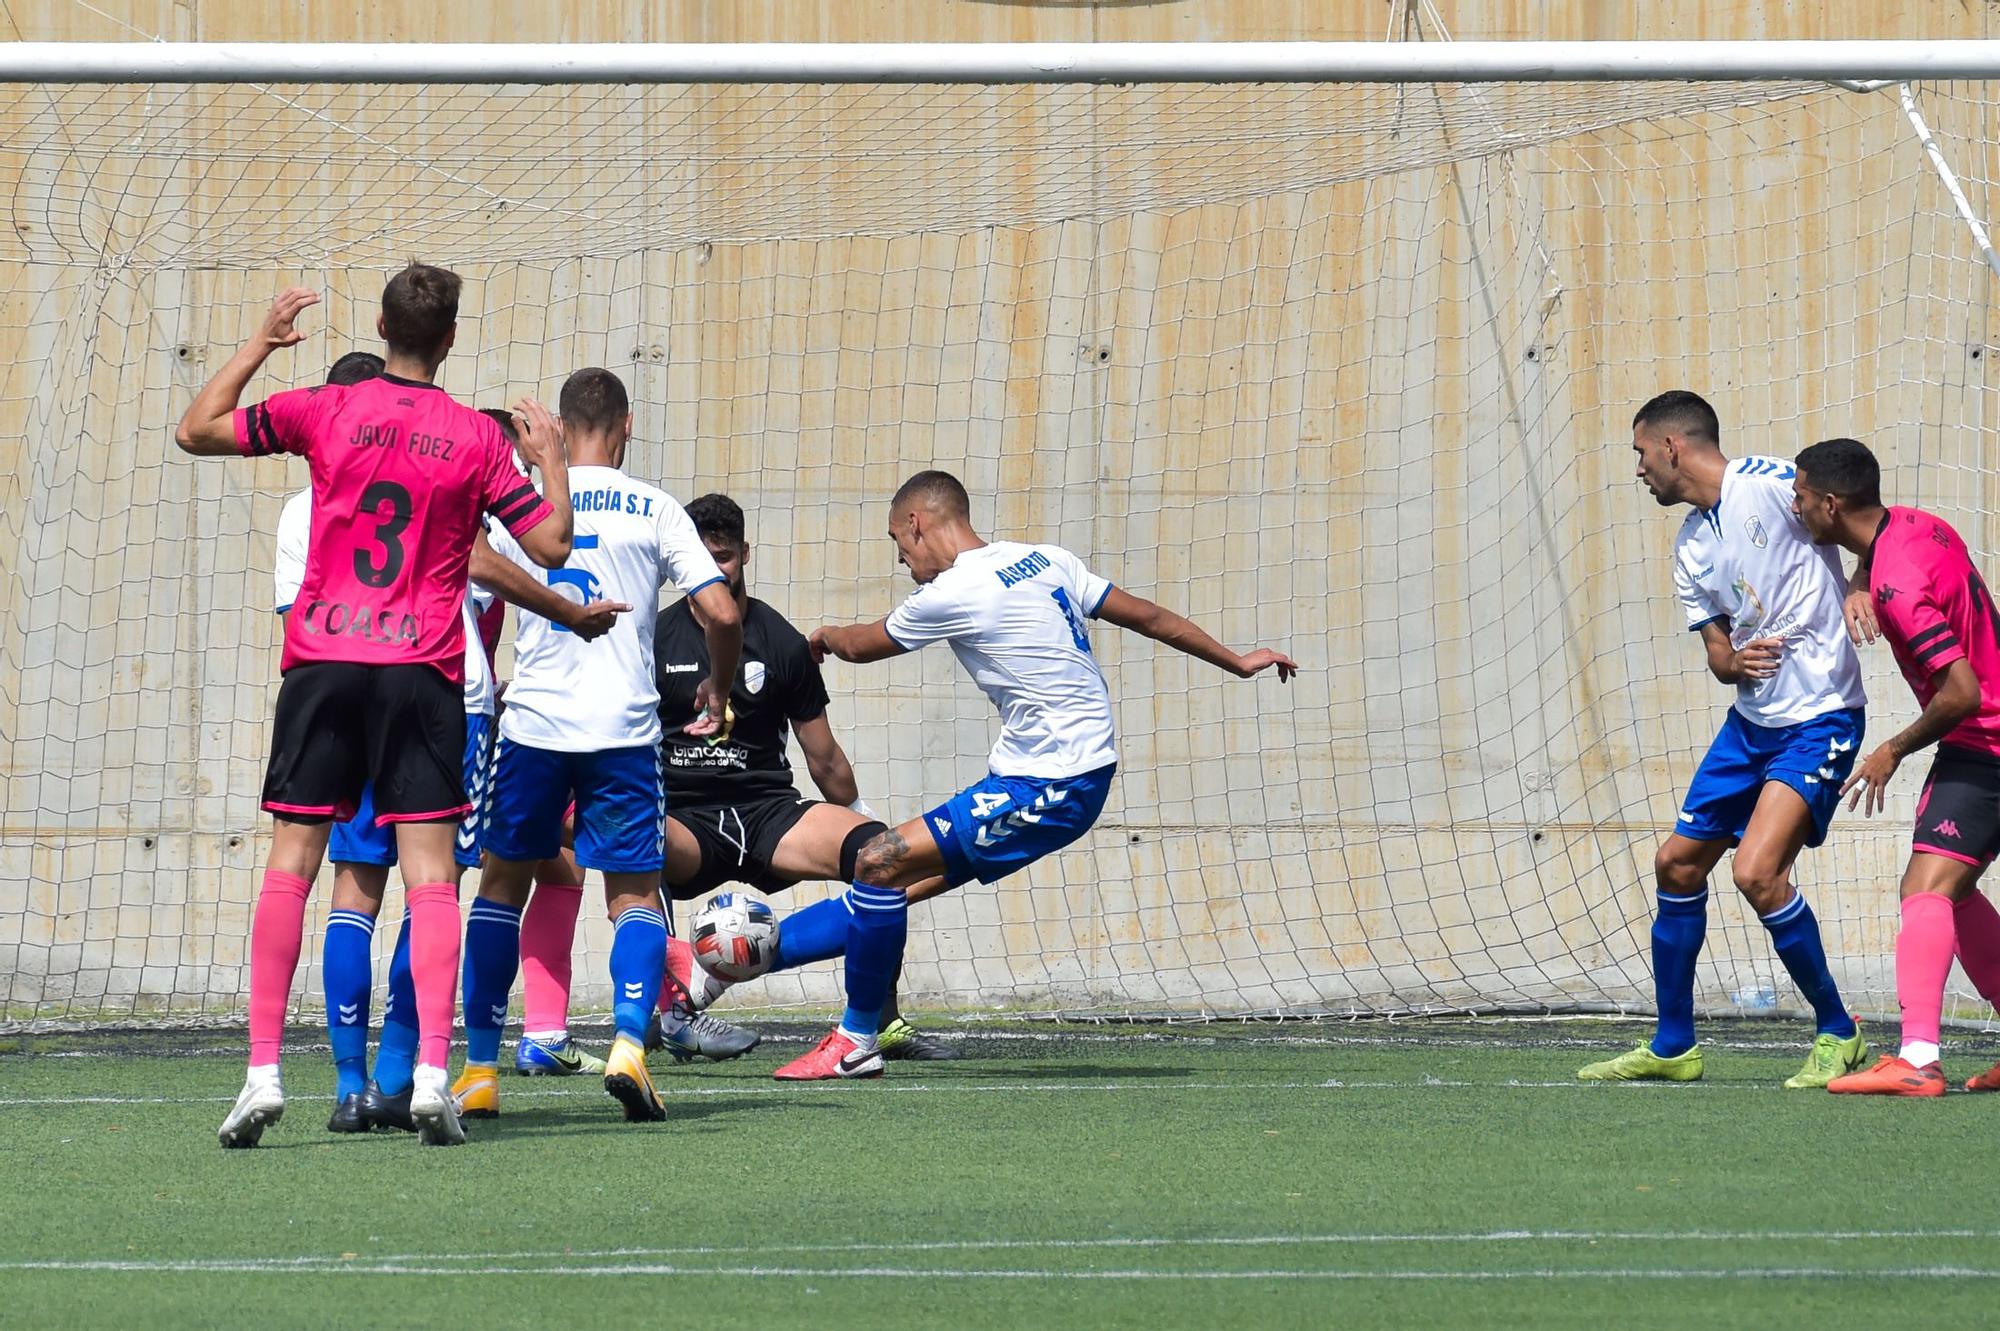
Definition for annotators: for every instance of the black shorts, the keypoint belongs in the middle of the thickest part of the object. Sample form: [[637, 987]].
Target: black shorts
[[1958, 815], [341, 725], [738, 842]]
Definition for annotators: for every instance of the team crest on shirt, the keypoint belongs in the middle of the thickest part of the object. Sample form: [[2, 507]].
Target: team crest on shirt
[[1758, 537], [753, 676]]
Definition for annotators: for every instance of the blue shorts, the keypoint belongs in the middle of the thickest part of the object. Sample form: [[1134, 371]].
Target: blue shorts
[[1005, 823], [360, 840], [621, 806], [1813, 757]]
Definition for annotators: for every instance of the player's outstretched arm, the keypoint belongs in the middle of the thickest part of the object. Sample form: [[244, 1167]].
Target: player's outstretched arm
[[827, 761], [1957, 697], [207, 428], [548, 541], [722, 630], [515, 585], [1163, 625], [858, 643]]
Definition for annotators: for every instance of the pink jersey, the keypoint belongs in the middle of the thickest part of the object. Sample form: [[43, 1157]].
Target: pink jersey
[[1935, 609], [400, 476]]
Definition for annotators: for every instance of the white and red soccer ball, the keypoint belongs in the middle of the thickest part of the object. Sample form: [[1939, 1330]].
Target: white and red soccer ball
[[735, 937]]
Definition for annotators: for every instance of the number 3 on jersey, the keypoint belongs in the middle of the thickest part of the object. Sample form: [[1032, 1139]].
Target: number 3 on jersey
[[388, 533], [582, 579], [1077, 630]]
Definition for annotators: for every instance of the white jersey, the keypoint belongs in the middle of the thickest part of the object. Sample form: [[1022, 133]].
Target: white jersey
[[574, 696], [1749, 564], [1014, 616], [295, 538]]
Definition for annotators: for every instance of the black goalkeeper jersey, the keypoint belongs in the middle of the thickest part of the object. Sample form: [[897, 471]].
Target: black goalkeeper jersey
[[777, 685]]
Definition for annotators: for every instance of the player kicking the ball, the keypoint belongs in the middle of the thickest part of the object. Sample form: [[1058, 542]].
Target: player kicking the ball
[[582, 719], [1767, 605], [1934, 609], [375, 642], [1016, 617]]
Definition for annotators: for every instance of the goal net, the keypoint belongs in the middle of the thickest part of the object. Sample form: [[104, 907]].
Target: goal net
[[1346, 370]]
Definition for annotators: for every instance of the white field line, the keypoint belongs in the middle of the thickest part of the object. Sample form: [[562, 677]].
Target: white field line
[[397, 1263], [1050, 1275], [957, 1088]]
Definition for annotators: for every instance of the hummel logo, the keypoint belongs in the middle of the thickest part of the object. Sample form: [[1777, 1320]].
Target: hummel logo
[[499, 1014], [635, 991], [349, 1013], [1946, 827]]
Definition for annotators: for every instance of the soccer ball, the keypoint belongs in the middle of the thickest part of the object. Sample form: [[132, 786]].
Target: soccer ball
[[735, 937]]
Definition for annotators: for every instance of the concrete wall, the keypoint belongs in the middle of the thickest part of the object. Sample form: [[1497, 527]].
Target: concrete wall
[[1373, 414]]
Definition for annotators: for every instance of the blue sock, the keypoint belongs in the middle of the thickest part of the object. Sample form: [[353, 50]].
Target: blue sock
[[638, 960], [1795, 933], [1678, 930], [396, 1056], [874, 953], [813, 934], [347, 973], [492, 957]]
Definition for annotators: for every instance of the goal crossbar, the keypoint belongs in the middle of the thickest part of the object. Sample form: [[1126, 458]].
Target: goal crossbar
[[997, 62]]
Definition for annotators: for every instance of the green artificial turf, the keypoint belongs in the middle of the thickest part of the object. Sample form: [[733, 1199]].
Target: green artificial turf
[[1359, 1174]]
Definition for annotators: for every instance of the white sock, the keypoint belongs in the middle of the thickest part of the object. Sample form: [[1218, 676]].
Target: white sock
[[262, 1074], [863, 1042], [1919, 1053], [547, 1037]]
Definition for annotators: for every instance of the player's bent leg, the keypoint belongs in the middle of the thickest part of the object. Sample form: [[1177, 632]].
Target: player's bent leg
[[1789, 817]]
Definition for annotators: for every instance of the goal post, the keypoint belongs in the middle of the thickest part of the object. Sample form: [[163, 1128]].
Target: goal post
[[1333, 346]]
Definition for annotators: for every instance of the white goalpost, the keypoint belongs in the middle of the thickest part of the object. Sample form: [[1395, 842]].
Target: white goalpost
[[1330, 345]]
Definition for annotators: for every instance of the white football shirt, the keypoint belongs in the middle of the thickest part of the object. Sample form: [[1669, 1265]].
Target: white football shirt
[[1014, 616], [289, 572], [574, 696], [1749, 563]]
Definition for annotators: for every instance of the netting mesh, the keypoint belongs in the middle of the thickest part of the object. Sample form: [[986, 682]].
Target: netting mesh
[[1344, 370]]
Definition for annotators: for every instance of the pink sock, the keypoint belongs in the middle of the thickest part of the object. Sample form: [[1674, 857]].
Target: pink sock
[[276, 930], [548, 940], [680, 963], [1979, 943], [434, 939], [1923, 961]]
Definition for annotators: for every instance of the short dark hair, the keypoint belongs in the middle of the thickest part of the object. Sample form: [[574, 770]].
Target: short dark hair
[[419, 307], [593, 400], [1844, 468], [503, 418], [939, 489], [354, 368], [717, 517], [1683, 413]]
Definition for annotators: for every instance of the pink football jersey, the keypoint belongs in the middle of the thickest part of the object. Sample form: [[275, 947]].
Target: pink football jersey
[[400, 477], [1935, 609]]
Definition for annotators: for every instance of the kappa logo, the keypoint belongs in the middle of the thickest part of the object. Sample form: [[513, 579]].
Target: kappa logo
[[1886, 594], [350, 1013], [1946, 827]]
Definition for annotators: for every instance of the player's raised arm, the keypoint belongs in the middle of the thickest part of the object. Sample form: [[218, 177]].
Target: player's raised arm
[[515, 585], [206, 428], [858, 643], [546, 542], [1163, 625]]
